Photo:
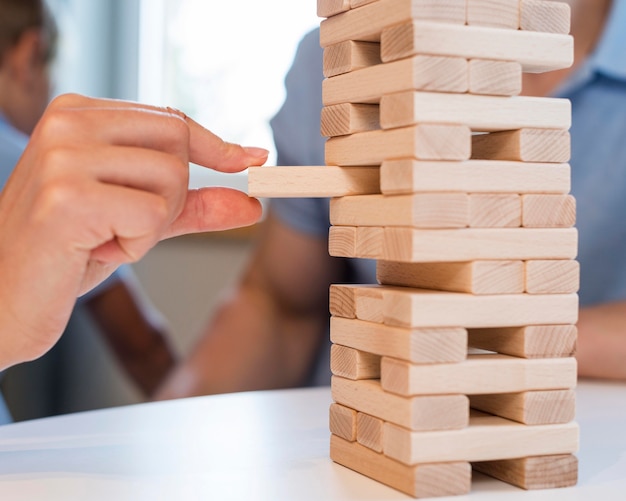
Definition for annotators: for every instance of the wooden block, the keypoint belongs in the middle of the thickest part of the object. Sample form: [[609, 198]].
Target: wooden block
[[420, 481], [367, 22], [495, 211], [354, 364], [552, 276], [349, 56], [367, 85], [342, 422], [498, 78], [369, 431], [479, 374], [369, 241], [423, 142], [541, 15], [473, 176], [486, 438], [548, 211], [471, 244], [369, 304], [342, 241], [480, 113], [534, 341], [529, 407], [342, 301], [357, 3], [420, 210], [420, 346], [420, 413], [343, 119], [536, 52], [319, 181], [496, 13], [539, 472], [475, 277], [525, 145], [327, 8]]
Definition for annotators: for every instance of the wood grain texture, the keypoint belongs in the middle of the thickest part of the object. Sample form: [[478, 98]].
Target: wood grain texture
[[342, 242], [426, 73], [327, 8], [369, 431], [495, 211], [353, 364], [369, 241], [420, 210], [542, 15], [349, 56], [479, 374], [552, 277], [536, 52], [425, 142], [525, 145], [497, 78], [548, 211], [342, 301], [533, 341], [495, 13], [477, 277], [480, 113], [312, 181], [420, 346], [473, 176], [486, 438], [420, 481], [539, 472], [419, 413], [530, 407], [347, 118], [342, 421]]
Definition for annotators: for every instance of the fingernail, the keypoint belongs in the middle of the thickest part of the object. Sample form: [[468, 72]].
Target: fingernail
[[256, 152]]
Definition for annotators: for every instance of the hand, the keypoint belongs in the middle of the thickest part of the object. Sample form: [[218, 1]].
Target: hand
[[99, 184]]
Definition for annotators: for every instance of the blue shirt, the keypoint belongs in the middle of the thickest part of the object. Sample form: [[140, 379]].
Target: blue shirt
[[597, 92]]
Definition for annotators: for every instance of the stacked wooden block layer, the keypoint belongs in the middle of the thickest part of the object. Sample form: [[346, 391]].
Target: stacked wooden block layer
[[463, 353]]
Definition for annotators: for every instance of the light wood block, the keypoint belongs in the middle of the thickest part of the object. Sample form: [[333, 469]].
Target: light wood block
[[353, 364], [342, 422], [343, 119], [480, 113], [342, 242], [369, 304], [539, 472], [420, 346], [471, 244], [369, 241], [367, 22], [423, 142], [498, 78], [534, 341], [420, 481], [495, 13], [312, 181], [542, 15], [369, 431], [327, 8], [548, 211], [552, 276], [495, 211], [473, 176], [349, 56], [475, 277], [525, 145], [358, 3], [427, 73], [420, 413], [487, 438], [479, 374], [342, 301], [530, 407], [536, 52], [420, 210]]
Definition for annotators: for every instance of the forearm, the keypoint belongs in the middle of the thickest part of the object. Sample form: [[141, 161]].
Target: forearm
[[601, 351]]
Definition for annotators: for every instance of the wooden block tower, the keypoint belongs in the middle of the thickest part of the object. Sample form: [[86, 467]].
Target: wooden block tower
[[461, 356]]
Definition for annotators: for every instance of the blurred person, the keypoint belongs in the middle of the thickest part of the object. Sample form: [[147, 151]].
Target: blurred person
[[271, 330]]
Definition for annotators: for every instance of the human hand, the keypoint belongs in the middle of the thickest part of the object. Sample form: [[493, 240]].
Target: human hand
[[99, 184]]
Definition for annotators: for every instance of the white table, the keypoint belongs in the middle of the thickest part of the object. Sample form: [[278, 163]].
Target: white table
[[254, 446]]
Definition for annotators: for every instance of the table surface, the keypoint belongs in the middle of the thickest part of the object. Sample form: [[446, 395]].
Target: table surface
[[271, 445]]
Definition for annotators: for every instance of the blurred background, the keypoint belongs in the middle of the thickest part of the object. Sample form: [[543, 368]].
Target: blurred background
[[222, 63]]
